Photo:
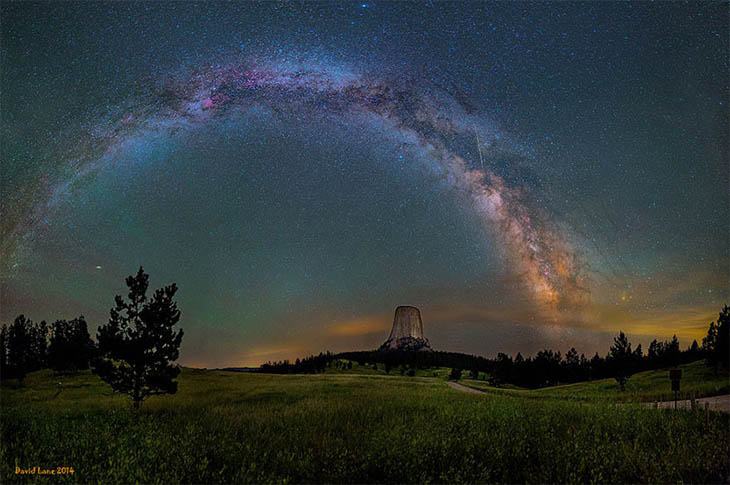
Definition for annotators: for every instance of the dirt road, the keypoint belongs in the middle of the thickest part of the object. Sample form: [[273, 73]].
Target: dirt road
[[459, 387], [717, 403]]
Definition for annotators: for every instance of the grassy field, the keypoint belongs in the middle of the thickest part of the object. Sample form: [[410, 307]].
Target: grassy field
[[337, 368], [698, 379], [239, 427]]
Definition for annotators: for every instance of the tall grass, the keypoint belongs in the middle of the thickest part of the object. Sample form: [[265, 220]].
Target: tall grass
[[228, 427]]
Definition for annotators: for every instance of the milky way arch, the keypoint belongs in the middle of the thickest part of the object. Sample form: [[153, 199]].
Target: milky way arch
[[542, 256]]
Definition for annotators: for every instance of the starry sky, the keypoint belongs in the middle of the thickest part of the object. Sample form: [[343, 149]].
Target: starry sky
[[529, 175]]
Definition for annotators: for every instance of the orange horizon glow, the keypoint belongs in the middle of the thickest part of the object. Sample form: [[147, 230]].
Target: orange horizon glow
[[687, 324]]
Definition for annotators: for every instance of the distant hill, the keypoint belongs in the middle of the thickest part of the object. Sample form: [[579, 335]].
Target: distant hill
[[698, 378], [240, 369]]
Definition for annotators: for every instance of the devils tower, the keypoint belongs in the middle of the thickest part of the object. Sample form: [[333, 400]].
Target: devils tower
[[407, 331]]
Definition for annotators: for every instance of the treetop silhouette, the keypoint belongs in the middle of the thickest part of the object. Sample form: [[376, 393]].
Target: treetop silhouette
[[138, 346]]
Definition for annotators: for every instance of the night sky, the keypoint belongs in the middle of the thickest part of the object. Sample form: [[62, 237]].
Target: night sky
[[529, 175]]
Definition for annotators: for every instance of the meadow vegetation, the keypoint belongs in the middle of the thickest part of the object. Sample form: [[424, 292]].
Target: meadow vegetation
[[698, 380], [334, 427], [347, 367]]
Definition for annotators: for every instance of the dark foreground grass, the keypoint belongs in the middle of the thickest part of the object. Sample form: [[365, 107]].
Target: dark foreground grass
[[229, 427]]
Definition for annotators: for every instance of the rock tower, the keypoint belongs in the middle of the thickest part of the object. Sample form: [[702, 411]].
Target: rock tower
[[407, 331]]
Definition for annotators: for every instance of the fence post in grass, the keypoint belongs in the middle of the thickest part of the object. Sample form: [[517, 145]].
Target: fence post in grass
[[656, 404], [707, 415], [692, 402]]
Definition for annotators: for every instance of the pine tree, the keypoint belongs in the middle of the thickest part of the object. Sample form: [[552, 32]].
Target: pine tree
[[571, 366], [38, 358], [620, 359], [723, 337], [26, 346], [717, 343], [673, 352], [694, 348], [638, 357], [138, 345], [597, 369], [71, 347]]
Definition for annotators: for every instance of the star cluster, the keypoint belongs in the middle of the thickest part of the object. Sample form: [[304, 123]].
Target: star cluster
[[524, 172]]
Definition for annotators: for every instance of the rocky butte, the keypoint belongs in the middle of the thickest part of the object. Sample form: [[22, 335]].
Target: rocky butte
[[407, 332]]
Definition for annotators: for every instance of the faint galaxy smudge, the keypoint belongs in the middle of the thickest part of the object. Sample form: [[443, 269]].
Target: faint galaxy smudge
[[542, 256]]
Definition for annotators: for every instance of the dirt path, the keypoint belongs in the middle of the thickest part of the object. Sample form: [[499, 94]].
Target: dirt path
[[459, 387], [717, 403]]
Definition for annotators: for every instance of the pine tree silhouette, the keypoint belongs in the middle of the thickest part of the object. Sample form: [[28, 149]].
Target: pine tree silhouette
[[620, 357], [138, 345], [71, 347]]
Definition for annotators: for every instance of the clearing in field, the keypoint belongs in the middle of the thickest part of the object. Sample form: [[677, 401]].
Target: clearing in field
[[241, 427]]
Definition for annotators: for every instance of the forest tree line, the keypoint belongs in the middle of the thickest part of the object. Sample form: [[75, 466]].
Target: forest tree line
[[546, 368], [27, 346], [134, 353], [66, 346]]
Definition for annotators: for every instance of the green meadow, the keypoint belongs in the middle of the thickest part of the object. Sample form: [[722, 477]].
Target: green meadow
[[337, 368], [354, 428], [698, 380]]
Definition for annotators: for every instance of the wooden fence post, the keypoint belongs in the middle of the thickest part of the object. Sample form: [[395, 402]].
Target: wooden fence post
[[707, 414]]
